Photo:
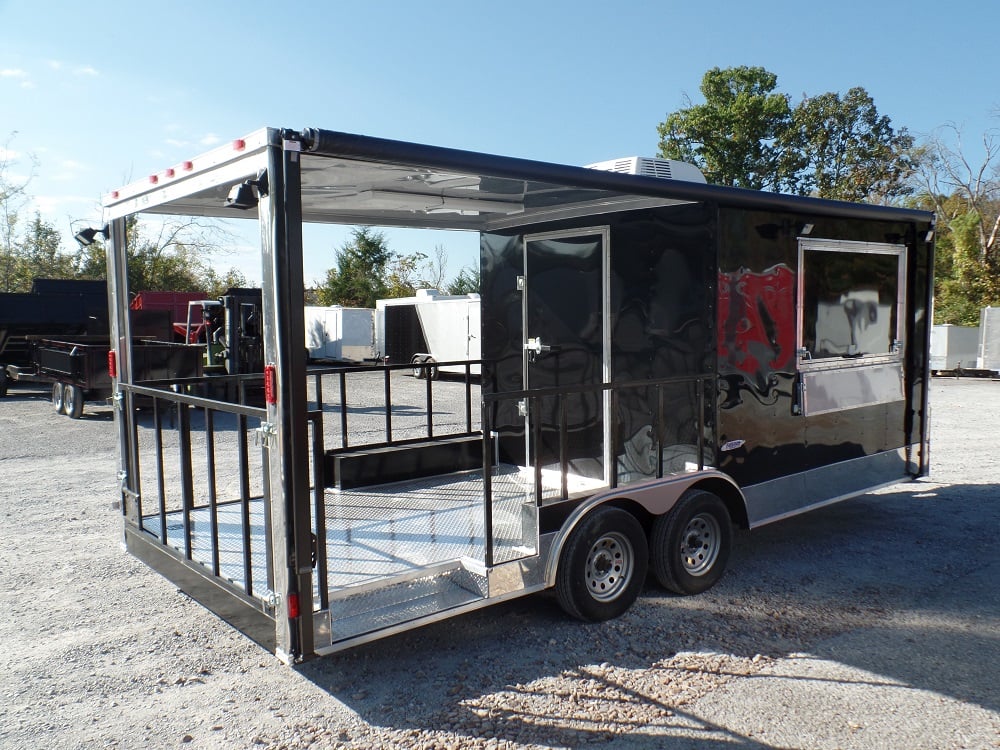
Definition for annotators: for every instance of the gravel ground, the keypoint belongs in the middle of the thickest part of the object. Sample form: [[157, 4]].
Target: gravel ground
[[872, 623]]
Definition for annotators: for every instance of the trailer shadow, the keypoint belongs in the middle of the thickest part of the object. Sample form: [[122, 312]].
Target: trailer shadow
[[93, 411], [899, 584]]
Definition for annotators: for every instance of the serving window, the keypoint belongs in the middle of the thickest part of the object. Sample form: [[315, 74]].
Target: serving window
[[850, 323]]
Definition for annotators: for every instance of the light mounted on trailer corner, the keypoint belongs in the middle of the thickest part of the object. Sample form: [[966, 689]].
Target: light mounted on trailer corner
[[293, 606], [85, 237], [112, 363]]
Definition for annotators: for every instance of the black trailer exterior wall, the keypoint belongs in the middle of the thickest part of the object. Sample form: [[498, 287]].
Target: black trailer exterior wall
[[660, 360]]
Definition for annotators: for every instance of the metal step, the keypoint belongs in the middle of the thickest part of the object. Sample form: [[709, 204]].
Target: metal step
[[355, 611]]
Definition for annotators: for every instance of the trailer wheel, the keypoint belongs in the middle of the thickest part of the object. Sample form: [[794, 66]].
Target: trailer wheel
[[431, 369], [57, 397], [690, 544], [418, 370], [73, 401], [602, 566]]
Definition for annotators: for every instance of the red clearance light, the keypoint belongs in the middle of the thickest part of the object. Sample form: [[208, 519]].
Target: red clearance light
[[154, 179], [293, 606], [170, 172], [114, 194], [239, 144], [270, 385], [187, 166], [112, 363]]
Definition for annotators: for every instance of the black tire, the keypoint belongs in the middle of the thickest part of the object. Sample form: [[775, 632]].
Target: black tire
[[430, 369], [418, 371], [57, 397], [602, 566], [689, 546], [73, 401]]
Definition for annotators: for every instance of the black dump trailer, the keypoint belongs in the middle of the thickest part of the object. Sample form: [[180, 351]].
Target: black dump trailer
[[662, 360], [53, 308]]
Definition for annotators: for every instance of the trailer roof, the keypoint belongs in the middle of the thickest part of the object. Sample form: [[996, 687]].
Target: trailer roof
[[353, 179]]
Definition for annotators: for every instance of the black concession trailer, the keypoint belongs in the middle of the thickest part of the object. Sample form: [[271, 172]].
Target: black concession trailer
[[662, 360]]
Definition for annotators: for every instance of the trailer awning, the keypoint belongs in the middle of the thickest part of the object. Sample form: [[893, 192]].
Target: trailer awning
[[352, 179]]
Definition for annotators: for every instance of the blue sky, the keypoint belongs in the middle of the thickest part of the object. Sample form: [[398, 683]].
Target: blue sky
[[102, 93]]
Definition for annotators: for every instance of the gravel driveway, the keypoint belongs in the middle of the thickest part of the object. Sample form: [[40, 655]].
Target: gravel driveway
[[872, 623]]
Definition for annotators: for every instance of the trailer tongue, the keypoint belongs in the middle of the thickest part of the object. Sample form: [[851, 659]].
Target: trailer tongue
[[660, 359]]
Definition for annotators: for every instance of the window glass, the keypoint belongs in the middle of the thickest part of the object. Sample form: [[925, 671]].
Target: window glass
[[850, 303]]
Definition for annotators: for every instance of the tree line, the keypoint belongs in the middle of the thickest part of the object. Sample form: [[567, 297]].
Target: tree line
[[745, 133], [748, 134]]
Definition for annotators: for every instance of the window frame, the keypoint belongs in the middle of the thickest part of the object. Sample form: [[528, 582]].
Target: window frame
[[895, 353]]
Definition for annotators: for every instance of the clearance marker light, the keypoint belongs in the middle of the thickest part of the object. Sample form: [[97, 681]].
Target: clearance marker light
[[112, 363], [154, 179], [293, 606], [187, 166], [270, 384], [239, 144], [170, 172]]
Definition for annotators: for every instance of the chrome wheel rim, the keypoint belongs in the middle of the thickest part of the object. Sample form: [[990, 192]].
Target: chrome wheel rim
[[700, 544], [610, 564]]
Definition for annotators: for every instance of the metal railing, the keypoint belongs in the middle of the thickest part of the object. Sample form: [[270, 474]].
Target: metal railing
[[214, 435], [342, 440]]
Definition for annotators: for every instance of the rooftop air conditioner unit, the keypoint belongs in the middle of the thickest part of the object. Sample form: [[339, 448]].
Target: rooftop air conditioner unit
[[669, 169]]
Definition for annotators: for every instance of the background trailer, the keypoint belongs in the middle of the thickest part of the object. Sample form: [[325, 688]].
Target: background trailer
[[660, 359], [429, 328]]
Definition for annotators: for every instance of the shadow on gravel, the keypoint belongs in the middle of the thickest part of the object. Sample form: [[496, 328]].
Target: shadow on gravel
[[900, 584], [93, 412]]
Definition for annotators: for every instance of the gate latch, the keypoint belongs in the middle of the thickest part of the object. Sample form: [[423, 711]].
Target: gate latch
[[534, 347], [266, 435]]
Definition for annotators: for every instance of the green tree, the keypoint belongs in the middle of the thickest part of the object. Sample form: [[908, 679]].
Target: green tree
[[965, 196], [746, 134], [215, 284], [359, 278], [171, 257], [849, 151], [467, 281], [39, 255], [737, 136], [13, 197]]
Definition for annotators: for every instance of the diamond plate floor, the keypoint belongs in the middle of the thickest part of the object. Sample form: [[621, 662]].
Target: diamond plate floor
[[381, 533]]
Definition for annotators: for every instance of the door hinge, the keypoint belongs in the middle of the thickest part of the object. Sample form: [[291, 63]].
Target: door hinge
[[520, 283], [522, 407]]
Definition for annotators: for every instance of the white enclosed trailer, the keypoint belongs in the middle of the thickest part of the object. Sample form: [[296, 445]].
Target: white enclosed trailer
[[429, 328], [954, 347], [339, 333]]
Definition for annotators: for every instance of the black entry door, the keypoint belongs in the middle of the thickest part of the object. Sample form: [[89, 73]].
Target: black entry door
[[566, 348]]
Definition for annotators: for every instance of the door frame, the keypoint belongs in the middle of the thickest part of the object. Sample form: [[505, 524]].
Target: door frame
[[604, 233]]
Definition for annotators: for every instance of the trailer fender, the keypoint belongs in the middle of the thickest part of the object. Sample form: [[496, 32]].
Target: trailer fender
[[653, 498]]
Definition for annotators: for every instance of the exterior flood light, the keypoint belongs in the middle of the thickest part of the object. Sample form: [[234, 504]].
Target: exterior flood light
[[243, 196], [87, 236]]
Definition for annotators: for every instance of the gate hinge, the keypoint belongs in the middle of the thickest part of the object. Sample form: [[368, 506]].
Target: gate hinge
[[520, 283], [119, 399], [265, 435], [522, 407]]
